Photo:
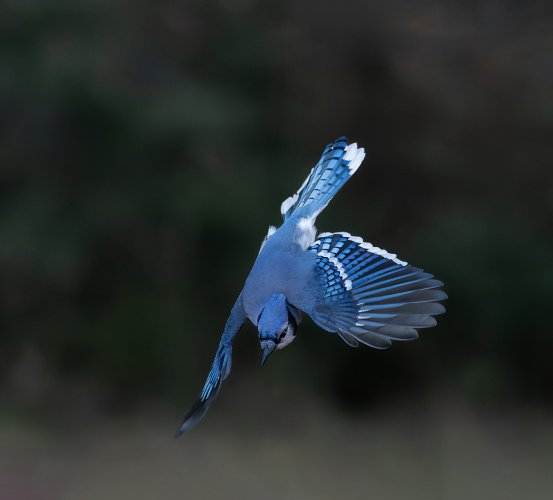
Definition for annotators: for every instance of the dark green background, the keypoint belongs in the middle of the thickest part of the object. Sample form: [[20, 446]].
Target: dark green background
[[145, 148]]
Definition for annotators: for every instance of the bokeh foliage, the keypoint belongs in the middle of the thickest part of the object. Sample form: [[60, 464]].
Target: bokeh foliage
[[145, 147]]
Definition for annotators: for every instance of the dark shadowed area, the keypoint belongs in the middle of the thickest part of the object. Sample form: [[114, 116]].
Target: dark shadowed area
[[146, 147]]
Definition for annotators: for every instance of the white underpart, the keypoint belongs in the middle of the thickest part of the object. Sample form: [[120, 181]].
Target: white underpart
[[305, 232], [338, 265]]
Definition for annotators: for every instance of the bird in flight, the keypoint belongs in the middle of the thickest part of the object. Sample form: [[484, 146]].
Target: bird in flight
[[347, 286]]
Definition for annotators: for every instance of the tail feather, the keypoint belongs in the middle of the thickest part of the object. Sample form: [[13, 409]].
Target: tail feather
[[338, 163]]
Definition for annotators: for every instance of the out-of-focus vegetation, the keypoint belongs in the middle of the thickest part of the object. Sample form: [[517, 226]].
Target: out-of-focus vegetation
[[145, 148]]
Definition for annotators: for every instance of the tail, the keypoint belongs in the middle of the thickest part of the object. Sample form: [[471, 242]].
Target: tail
[[338, 163]]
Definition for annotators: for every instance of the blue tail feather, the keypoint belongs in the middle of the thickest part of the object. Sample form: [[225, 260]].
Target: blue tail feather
[[338, 163]]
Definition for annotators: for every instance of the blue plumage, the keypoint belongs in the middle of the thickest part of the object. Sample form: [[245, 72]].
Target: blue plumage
[[347, 286], [362, 283], [336, 166]]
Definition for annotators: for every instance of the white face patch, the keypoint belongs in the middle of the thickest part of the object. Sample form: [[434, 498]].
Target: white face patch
[[338, 265], [290, 335]]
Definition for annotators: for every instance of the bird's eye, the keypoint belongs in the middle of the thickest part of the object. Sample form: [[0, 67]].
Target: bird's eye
[[282, 334]]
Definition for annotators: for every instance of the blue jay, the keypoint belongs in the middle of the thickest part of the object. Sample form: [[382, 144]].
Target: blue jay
[[347, 286]]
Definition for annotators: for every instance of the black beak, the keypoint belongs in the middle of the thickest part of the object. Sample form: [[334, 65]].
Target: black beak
[[267, 347]]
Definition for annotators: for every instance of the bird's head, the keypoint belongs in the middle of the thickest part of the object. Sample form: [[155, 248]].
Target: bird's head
[[277, 325]]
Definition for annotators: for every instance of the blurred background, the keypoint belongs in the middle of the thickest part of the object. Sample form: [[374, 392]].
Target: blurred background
[[145, 148]]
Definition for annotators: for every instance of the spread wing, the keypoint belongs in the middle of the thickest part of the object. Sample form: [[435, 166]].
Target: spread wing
[[219, 370], [370, 296]]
